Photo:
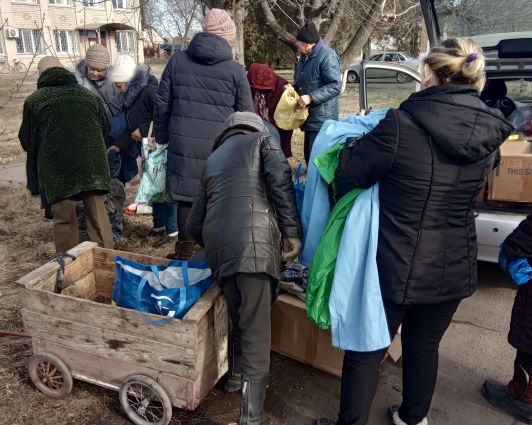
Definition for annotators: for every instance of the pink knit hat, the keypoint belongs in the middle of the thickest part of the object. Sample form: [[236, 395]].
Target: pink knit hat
[[219, 22]]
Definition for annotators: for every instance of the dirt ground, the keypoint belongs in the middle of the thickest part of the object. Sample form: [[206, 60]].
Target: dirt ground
[[298, 393]]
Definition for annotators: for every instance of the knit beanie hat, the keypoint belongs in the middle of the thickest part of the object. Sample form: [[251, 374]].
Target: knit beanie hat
[[123, 70], [48, 62], [308, 33], [219, 22], [97, 57], [261, 77]]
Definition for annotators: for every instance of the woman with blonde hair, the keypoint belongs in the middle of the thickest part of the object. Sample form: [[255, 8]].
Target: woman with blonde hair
[[431, 157]]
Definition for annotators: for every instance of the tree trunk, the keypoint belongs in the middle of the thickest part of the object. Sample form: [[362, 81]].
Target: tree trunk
[[239, 13], [366, 50]]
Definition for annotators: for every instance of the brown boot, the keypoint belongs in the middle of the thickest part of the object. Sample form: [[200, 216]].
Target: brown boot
[[514, 398], [184, 250]]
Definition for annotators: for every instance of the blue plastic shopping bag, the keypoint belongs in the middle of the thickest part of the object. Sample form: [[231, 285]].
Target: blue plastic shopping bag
[[519, 269], [169, 290]]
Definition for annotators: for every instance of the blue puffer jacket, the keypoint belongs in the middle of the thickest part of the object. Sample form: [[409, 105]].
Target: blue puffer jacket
[[319, 75]]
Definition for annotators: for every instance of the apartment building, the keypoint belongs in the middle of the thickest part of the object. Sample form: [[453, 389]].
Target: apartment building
[[31, 29]]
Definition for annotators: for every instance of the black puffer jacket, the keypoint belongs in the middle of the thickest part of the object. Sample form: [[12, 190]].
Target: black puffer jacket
[[245, 205], [431, 157], [138, 101], [199, 89], [518, 245]]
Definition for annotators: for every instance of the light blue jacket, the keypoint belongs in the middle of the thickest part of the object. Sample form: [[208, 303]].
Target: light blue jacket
[[316, 208]]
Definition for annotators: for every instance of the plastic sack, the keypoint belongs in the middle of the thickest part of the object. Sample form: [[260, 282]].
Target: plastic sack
[[521, 119], [169, 290], [518, 269], [287, 115], [299, 187], [152, 188]]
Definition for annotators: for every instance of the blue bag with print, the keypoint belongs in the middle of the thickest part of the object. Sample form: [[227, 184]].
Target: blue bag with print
[[168, 290]]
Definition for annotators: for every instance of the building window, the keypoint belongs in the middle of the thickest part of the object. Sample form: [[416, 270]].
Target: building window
[[125, 41], [60, 2], [65, 41], [122, 4], [2, 48], [25, 1], [30, 41], [93, 3]]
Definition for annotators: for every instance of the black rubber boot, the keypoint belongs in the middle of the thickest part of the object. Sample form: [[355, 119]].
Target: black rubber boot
[[234, 382], [514, 398], [253, 395]]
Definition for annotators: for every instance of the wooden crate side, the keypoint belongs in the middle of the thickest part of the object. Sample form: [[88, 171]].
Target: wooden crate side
[[115, 345], [105, 279], [111, 372], [44, 277], [84, 288], [206, 382], [108, 317], [200, 309], [105, 258], [221, 336]]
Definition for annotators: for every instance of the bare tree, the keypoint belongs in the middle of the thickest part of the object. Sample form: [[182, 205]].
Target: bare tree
[[173, 19], [346, 24]]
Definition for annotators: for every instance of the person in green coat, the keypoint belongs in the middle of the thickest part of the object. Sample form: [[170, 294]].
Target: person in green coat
[[63, 126]]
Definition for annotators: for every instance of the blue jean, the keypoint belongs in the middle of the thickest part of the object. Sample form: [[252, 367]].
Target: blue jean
[[165, 215]]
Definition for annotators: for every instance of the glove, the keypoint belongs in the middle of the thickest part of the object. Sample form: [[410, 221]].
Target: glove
[[291, 248]]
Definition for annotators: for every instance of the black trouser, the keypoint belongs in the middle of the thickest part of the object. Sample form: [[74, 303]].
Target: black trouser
[[249, 298], [421, 333], [524, 359], [310, 136], [183, 211]]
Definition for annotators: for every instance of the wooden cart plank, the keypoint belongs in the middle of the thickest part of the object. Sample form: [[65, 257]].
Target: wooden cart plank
[[105, 258], [204, 304], [101, 370], [84, 288], [105, 316], [116, 345], [221, 336], [44, 277]]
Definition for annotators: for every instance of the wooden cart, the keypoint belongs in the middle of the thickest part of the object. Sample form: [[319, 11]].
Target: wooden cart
[[79, 334]]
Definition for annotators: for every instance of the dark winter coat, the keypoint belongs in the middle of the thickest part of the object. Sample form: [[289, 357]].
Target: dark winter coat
[[319, 75], [245, 205], [199, 89], [518, 245], [138, 101], [431, 157], [104, 89], [63, 125]]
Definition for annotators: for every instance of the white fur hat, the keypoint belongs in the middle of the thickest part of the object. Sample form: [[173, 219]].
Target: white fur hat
[[123, 69]]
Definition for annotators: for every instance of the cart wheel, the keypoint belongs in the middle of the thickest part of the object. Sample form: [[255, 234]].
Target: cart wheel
[[144, 401], [50, 375]]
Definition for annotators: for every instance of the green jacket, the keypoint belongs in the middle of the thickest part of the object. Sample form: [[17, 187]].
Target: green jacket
[[63, 125]]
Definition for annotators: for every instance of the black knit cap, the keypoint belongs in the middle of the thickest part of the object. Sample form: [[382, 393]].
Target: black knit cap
[[308, 33]]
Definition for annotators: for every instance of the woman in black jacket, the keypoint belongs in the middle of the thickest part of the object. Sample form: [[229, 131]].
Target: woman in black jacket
[[431, 157], [139, 90]]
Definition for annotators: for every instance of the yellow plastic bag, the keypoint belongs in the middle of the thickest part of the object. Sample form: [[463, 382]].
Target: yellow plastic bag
[[287, 115]]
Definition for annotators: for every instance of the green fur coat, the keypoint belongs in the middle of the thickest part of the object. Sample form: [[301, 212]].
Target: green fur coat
[[63, 126]]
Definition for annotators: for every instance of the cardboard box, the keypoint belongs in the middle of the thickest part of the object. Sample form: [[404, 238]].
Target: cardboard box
[[512, 179], [294, 336]]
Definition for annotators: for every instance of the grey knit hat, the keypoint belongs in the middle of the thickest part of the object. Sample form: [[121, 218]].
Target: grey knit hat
[[244, 120], [98, 57], [48, 62]]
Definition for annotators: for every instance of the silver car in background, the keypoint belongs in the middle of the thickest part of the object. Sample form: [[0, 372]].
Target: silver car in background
[[403, 58]]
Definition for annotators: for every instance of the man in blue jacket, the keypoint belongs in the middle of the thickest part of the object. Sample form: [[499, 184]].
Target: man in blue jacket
[[318, 82]]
